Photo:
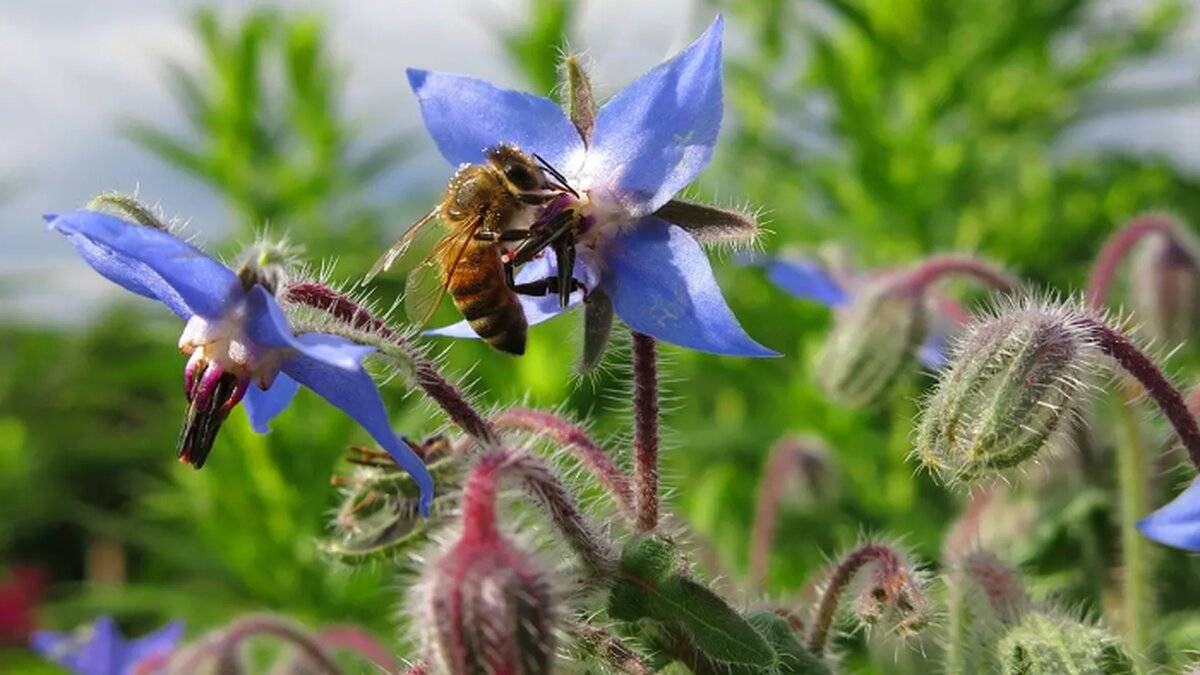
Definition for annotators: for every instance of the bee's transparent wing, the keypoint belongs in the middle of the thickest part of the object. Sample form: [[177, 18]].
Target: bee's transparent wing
[[410, 241], [709, 224], [427, 283]]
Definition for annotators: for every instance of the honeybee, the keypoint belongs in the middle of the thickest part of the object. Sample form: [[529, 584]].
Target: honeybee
[[498, 219]]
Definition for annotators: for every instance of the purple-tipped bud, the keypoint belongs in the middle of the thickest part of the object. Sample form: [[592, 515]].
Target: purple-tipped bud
[[873, 340], [488, 607], [1013, 384], [1165, 282]]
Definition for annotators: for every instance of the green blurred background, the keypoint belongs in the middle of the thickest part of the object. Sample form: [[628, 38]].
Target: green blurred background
[[894, 128]]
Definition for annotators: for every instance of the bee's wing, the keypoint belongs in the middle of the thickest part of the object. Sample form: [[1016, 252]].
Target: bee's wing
[[402, 246], [427, 282], [709, 224]]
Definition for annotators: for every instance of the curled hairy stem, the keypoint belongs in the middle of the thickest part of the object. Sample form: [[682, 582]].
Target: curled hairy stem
[[935, 267], [350, 639], [224, 648], [479, 505], [885, 556], [577, 441], [787, 456], [1115, 250], [645, 431], [428, 377], [1143, 369]]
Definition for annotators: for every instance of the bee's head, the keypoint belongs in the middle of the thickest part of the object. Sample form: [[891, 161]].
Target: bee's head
[[522, 174]]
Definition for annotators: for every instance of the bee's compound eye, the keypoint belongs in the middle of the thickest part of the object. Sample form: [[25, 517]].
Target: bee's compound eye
[[520, 176]]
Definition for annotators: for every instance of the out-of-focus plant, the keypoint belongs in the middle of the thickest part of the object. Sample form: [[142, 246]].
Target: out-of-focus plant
[[279, 152]]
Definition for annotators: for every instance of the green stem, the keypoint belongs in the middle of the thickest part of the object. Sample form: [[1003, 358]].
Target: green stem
[[1132, 478]]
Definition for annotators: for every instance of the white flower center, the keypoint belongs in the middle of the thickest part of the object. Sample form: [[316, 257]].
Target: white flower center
[[224, 343]]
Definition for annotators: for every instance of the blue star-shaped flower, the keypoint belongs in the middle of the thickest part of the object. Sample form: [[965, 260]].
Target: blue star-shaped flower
[[100, 649], [809, 279], [240, 342], [1178, 523], [650, 140]]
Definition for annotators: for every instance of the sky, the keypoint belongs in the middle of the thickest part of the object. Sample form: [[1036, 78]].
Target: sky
[[71, 72]]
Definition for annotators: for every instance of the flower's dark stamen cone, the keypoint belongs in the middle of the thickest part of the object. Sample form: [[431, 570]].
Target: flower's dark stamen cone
[[451, 400], [645, 433], [1156, 384], [1115, 250], [208, 406]]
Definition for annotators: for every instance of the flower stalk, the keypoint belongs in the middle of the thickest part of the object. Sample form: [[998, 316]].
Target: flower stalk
[[917, 280], [1115, 250], [427, 376], [785, 459], [645, 431], [576, 440]]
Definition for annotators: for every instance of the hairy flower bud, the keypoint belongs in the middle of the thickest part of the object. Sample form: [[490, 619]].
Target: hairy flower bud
[[1014, 382], [1045, 643], [873, 340], [1165, 283], [487, 606]]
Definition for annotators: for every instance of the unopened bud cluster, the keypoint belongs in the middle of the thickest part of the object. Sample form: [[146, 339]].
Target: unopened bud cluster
[[1045, 643], [872, 342], [1013, 384]]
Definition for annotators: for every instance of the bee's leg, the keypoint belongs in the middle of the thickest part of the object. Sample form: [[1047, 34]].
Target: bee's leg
[[564, 255], [545, 235]]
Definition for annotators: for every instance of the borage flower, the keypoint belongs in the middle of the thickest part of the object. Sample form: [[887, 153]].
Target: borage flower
[[1178, 523], [241, 345], [100, 649], [626, 164]]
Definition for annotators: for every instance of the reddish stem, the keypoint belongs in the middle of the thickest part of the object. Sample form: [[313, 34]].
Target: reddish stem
[[645, 431], [479, 504], [575, 439], [933, 268], [1116, 248], [356, 640], [787, 456], [1113, 343], [441, 390], [843, 574], [224, 648]]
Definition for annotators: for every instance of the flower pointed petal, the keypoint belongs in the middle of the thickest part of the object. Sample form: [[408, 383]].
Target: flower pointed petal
[[934, 351], [94, 651], [537, 308], [806, 279], [354, 393], [264, 405], [656, 135], [1178, 523], [151, 262], [465, 116], [661, 284], [162, 641], [268, 327]]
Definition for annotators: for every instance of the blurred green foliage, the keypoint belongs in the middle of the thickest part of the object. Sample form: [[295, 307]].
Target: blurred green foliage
[[898, 127]]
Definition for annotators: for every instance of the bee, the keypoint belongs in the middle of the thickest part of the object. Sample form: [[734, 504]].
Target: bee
[[497, 219]]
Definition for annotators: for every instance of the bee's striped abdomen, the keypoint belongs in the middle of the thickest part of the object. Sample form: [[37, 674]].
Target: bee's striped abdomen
[[485, 300]]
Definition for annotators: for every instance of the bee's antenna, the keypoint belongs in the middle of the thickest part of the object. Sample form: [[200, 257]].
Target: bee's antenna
[[562, 180]]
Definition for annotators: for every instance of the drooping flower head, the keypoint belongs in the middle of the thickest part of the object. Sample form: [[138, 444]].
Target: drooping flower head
[[239, 342], [100, 649], [645, 144]]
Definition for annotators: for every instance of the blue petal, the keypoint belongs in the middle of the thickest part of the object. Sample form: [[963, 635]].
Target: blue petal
[[465, 116], [806, 279], [354, 392], [933, 352], [661, 284], [265, 405], [162, 641], [93, 651], [657, 134], [151, 262], [537, 308], [268, 327], [1178, 523]]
